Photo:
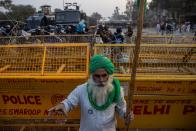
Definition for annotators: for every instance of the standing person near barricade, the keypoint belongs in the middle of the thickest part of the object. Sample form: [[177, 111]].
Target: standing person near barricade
[[158, 28], [81, 27], [99, 98], [118, 36], [129, 34], [194, 37], [163, 28], [106, 35], [188, 27], [8, 30], [99, 33]]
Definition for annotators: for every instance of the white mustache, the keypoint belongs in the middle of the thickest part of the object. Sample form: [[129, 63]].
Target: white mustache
[[101, 83]]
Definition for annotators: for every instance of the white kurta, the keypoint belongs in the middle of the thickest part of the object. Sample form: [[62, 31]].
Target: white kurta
[[92, 119]]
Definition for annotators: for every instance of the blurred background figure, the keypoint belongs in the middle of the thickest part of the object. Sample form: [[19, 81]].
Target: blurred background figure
[[81, 27], [118, 36], [158, 28], [129, 34]]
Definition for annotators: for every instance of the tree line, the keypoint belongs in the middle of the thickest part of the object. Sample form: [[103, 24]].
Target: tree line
[[15, 12]]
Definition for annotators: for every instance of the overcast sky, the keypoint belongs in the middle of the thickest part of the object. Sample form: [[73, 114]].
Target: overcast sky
[[104, 7]]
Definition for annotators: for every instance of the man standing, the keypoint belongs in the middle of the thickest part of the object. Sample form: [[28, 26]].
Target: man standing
[[99, 98]]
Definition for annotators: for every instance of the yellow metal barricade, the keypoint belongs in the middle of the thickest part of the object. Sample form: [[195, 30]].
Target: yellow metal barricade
[[153, 59], [39, 60], [34, 78], [165, 89], [32, 127]]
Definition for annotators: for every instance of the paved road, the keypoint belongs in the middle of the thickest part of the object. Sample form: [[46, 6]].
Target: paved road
[[152, 31]]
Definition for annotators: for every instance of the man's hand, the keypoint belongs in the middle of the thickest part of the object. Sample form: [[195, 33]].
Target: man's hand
[[59, 108], [129, 117]]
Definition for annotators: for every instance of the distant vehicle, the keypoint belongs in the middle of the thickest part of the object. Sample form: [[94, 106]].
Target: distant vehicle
[[36, 20], [69, 18], [67, 21], [71, 15]]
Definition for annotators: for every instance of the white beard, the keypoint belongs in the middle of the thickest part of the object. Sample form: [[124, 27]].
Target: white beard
[[100, 94]]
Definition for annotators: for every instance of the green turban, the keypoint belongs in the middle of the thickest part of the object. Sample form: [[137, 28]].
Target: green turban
[[99, 61]]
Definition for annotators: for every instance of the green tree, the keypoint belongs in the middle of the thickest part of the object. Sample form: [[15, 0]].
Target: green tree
[[6, 3], [129, 9], [174, 7], [15, 12], [21, 12], [116, 13], [135, 10], [96, 16]]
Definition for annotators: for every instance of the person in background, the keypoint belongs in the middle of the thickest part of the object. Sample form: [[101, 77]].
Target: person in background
[[129, 34], [163, 26], [194, 37], [118, 36], [81, 27], [158, 28], [99, 98]]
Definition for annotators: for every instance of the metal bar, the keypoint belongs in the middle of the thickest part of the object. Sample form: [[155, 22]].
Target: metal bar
[[43, 61], [4, 68], [150, 45], [87, 60], [73, 77], [135, 60], [22, 128], [40, 125], [61, 68], [192, 71]]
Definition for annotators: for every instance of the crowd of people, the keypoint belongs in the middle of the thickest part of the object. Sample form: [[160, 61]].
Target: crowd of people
[[17, 30], [171, 27], [118, 36], [79, 28]]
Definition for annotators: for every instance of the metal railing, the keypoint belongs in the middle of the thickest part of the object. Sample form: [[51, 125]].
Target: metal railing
[[90, 38], [40, 39], [51, 59], [153, 59]]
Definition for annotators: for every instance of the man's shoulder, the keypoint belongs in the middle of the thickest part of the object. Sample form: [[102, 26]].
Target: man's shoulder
[[80, 89], [81, 86]]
